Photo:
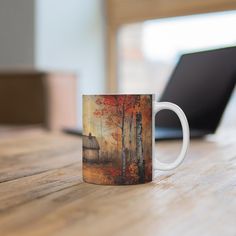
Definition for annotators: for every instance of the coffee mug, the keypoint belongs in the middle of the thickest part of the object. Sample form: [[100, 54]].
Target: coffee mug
[[118, 138]]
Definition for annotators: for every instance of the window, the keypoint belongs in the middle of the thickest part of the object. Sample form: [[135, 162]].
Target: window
[[148, 51]]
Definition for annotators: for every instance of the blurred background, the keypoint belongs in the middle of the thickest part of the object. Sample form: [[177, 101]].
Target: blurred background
[[52, 52]]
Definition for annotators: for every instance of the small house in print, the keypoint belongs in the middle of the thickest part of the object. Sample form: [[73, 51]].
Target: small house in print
[[90, 148]]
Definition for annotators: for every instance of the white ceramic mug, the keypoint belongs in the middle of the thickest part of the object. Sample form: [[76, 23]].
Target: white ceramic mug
[[118, 138]]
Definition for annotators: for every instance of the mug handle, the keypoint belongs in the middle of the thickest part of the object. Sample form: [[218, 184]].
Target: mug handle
[[185, 127]]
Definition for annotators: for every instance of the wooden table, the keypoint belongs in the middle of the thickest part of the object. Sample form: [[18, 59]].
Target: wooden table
[[42, 192]]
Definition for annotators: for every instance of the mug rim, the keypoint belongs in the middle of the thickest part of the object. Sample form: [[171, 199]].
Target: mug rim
[[154, 95], [104, 94]]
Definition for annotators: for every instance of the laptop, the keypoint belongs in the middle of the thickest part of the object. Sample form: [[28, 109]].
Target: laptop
[[201, 84]]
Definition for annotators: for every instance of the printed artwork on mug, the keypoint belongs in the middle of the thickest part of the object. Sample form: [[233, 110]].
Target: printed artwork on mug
[[117, 139]]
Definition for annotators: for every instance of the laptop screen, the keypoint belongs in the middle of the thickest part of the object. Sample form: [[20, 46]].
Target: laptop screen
[[201, 85]]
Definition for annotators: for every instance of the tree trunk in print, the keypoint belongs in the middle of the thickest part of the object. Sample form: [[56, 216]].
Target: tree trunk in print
[[123, 141], [139, 146], [117, 131], [130, 137]]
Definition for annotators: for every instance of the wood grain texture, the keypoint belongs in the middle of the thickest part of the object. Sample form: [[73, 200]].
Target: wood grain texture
[[128, 11], [43, 192]]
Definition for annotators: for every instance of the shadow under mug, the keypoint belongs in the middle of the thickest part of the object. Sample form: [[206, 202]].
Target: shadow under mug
[[118, 138]]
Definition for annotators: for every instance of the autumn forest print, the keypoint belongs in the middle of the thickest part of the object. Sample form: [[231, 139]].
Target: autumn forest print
[[117, 139]]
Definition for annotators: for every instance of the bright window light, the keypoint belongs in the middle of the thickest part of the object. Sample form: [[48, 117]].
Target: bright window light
[[164, 40]]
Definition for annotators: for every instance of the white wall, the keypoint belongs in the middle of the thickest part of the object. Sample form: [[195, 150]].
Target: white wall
[[17, 33], [70, 36]]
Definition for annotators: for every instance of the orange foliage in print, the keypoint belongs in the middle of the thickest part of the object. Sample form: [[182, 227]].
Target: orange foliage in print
[[122, 125]]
